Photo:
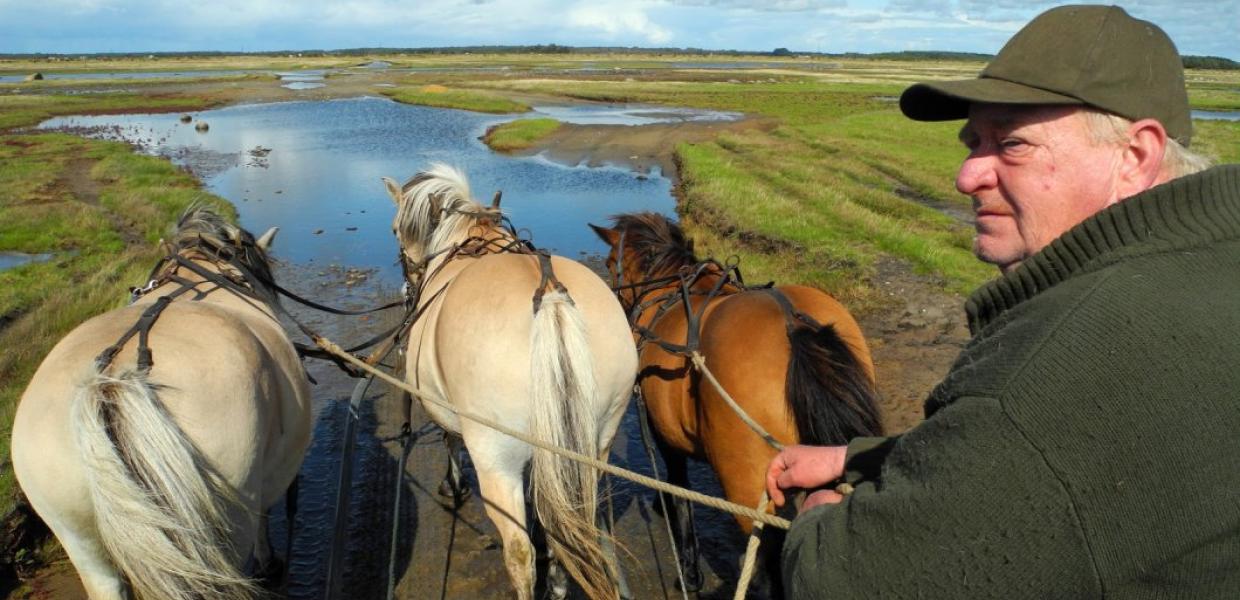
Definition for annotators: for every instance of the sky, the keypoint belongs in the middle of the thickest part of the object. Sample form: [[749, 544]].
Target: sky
[[1198, 27]]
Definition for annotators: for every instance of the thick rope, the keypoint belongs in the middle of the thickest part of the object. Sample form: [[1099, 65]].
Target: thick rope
[[699, 362], [751, 553], [716, 503]]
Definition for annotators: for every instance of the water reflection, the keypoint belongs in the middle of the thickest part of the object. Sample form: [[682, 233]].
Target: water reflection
[[1217, 115], [8, 260], [318, 176], [623, 114]]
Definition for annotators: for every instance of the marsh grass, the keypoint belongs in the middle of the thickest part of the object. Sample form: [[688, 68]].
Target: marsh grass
[[25, 110], [440, 97], [519, 134]]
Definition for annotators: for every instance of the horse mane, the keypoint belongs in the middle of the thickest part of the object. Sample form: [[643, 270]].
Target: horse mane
[[438, 210], [200, 229], [658, 242]]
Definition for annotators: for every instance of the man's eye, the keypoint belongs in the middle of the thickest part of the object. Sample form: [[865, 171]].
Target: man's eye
[[1011, 143]]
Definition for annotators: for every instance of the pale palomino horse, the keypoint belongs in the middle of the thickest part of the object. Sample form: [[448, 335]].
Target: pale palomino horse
[[540, 345], [155, 471]]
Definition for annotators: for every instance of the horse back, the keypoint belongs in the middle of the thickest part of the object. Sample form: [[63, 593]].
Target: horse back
[[746, 339], [225, 382], [476, 340]]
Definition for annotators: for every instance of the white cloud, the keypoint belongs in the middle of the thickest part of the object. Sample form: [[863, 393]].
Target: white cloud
[[618, 21]]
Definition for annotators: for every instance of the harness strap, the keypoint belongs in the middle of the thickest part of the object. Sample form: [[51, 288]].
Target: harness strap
[[548, 278], [791, 314], [143, 329]]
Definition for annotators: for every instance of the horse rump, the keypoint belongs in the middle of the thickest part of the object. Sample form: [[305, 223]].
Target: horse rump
[[162, 514], [828, 390]]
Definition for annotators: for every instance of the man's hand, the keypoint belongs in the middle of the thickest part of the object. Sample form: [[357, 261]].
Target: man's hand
[[806, 468]]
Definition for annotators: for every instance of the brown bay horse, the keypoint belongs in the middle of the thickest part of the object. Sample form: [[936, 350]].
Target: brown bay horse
[[792, 357]]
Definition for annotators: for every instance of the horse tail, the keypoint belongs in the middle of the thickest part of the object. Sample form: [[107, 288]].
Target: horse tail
[[564, 398], [162, 514], [828, 390]]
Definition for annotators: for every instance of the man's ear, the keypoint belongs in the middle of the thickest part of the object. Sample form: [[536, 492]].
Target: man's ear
[[393, 190], [1143, 164], [611, 236]]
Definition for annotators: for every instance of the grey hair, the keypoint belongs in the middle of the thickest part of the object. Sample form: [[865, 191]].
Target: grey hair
[[1178, 160]]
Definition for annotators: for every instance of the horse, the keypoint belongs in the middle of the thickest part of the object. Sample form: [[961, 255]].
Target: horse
[[791, 357], [535, 341], [154, 462]]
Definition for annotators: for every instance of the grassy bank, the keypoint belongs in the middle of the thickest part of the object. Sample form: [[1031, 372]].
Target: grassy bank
[[98, 208], [845, 182], [439, 96], [519, 134]]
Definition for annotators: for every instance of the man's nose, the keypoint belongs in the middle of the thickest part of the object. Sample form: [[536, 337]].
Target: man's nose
[[977, 173]]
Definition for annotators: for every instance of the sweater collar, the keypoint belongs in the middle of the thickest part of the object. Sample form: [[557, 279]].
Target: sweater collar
[[1183, 212]]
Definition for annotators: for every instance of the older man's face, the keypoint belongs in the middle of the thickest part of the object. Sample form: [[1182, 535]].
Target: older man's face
[[1033, 174]]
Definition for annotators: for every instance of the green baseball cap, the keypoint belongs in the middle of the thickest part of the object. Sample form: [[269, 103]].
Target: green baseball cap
[[1097, 56]]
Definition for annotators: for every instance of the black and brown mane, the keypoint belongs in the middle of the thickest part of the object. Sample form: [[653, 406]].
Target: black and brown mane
[[204, 232], [659, 242]]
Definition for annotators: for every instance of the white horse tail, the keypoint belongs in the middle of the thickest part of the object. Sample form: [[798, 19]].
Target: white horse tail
[[161, 513], [564, 402]]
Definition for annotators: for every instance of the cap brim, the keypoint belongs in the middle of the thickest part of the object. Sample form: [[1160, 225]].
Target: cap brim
[[950, 100]]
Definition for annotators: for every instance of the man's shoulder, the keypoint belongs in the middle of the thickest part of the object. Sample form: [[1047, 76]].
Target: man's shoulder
[[1154, 306]]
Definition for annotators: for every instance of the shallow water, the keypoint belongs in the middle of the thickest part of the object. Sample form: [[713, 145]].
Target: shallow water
[[1217, 115], [320, 181], [8, 260]]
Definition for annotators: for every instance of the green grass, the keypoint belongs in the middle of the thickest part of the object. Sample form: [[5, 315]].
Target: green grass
[[519, 134], [27, 109], [102, 243], [1219, 140], [441, 97]]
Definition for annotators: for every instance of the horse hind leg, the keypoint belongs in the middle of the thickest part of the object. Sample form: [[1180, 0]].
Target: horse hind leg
[[100, 578], [680, 516], [453, 484], [504, 498]]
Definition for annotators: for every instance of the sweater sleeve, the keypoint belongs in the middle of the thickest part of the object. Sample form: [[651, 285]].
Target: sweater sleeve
[[965, 508], [864, 460]]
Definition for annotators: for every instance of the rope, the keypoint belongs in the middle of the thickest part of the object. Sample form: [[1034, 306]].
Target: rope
[[751, 553], [690, 495], [700, 362]]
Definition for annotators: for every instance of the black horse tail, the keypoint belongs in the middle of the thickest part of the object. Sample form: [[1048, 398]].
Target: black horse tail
[[828, 390]]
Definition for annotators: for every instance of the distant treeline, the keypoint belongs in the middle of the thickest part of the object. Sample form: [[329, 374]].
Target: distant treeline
[[1191, 62]]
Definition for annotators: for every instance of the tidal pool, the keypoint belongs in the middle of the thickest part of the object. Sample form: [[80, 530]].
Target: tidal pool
[[314, 168]]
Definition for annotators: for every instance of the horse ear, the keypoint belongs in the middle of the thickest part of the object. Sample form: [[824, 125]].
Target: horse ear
[[264, 242], [393, 190], [611, 236]]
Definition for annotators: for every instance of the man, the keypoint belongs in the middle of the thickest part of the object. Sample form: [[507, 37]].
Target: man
[[1087, 441]]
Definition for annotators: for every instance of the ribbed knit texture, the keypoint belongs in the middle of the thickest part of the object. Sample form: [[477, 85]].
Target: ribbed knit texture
[[1085, 444]]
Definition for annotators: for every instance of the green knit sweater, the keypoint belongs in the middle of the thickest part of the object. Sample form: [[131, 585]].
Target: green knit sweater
[[1087, 441]]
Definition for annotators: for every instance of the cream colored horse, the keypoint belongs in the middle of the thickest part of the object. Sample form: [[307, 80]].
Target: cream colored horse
[[157, 481], [559, 366]]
